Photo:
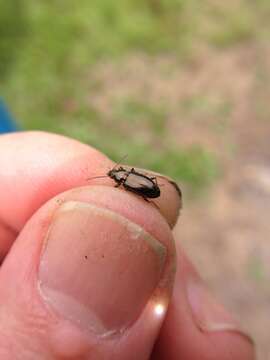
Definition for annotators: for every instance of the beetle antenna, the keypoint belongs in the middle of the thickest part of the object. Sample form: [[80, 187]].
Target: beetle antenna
[[100, 177], [121, 159], [96, 177]]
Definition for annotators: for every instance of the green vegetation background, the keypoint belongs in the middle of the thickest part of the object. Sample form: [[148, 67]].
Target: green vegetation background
[[49, 49]]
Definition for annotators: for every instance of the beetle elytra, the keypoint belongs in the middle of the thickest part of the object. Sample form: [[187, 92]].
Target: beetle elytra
[[134, 181]]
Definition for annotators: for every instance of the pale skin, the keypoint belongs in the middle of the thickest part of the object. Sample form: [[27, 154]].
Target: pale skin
[[40, 172]]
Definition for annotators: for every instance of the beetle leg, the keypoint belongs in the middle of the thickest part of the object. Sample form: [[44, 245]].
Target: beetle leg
[[151, 202], [154, 179], [125, 179], [119, 183]]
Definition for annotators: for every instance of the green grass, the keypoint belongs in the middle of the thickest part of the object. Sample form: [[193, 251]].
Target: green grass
[[13, 30], [256, 270], [49, 50], [233, 27], [204, 105], [63, 41], [134, 113], [193, 166]]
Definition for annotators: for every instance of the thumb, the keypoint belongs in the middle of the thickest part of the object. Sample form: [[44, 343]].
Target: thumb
[[89, 277]]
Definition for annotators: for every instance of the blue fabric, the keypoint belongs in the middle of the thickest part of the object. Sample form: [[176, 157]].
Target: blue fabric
[[7, 124]]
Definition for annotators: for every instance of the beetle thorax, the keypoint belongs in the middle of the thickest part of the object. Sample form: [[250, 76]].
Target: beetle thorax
[[118, 174]]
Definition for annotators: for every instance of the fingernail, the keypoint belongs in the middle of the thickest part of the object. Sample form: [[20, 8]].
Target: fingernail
[[208, 314], [170, 201], [97, 268]]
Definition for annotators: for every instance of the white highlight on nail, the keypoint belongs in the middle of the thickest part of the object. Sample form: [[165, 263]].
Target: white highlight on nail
[[159, 309]]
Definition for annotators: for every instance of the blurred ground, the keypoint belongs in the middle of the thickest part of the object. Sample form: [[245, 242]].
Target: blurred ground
[[182, 87], [226, 235], [225, 229], [226, 232]]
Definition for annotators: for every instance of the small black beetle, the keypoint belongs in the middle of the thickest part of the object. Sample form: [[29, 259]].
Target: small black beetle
[[136, 182]]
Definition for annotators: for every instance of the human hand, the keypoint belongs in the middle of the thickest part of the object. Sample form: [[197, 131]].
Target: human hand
[[90, 268]]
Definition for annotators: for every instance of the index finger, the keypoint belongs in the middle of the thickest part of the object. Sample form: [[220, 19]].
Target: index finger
[[36, 166]]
